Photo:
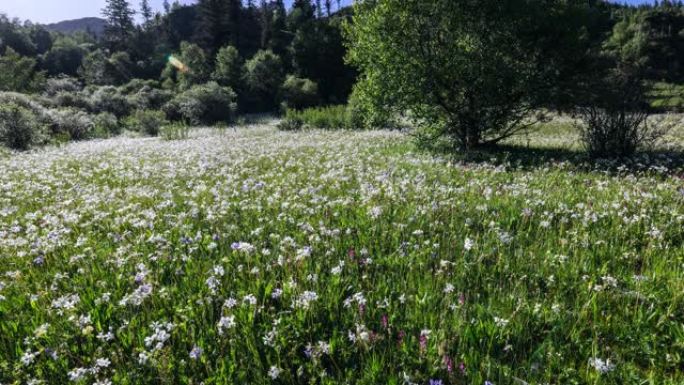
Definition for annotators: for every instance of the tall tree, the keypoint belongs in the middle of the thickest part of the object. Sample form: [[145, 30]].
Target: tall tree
[[198, 66], [303, 11], [249, 34], [471, 71], [228, 68], [265, 23], [146, 11], [319, 9], [279, 36], [119, 27], [234, 11], [213, 28]]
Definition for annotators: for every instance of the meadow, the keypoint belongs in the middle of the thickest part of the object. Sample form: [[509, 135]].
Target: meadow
[[256, 256]]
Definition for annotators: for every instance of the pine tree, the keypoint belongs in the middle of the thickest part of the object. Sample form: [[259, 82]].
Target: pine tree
[[234, 10], [119, 28], [265, 23], [213, 29], [167, 6], [279, 37], [328, 7], [319, 9], [146, 11], [303, 11]]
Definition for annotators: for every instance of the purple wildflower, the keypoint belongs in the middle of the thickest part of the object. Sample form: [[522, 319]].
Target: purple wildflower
[[196, 353], [449, 363], [385, 321]]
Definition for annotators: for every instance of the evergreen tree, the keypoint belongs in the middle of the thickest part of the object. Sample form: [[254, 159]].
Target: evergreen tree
[[319, 9], [234, 13], [213, 28], [146, 11], [198, 66], [279, 36], [249, 30], [167, 6], [265, 23], [228, 72], [303, 11], [119, 28]]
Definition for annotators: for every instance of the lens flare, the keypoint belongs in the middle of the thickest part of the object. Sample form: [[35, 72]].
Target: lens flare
[[174, 61]]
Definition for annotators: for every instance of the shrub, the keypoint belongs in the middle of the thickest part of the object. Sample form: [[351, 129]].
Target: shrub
[[70, 99], [54, 86], [298, 93], [19, 128], [95, 69], [203, 104], [136, 85], [175, 131], [75, 124], [615, 119], [109, 99], [148, 98], [18, 73], [335, 117], [37, 109], [106, 125], [291, 123], [148, 122]]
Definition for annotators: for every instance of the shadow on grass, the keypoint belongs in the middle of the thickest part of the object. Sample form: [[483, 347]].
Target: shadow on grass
[[520, 157]]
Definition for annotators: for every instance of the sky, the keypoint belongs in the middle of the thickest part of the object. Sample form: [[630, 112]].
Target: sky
[[50, 11]]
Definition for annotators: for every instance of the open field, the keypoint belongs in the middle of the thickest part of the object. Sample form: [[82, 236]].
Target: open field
[[253, 256]]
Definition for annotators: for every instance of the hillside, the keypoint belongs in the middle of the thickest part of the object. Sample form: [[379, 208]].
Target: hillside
[[86, 24]]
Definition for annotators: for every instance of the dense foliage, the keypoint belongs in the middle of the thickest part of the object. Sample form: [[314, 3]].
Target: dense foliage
[[250, 48], [476, 72]]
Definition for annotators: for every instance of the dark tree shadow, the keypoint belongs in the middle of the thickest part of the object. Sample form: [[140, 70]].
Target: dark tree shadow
[[524, 158]]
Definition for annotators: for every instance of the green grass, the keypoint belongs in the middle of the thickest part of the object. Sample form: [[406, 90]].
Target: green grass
[[175, 131], [667, 97], [332, 117], [352, 257]]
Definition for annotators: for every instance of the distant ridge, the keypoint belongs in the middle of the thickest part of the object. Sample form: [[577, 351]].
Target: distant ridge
[[94, 25]]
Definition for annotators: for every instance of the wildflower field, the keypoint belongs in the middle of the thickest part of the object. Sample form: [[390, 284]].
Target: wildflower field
[[253, 256]]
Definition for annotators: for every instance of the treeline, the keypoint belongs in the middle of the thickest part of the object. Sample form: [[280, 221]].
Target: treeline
[[474, 72], [650, 38], [263, 51]]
